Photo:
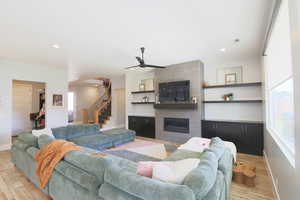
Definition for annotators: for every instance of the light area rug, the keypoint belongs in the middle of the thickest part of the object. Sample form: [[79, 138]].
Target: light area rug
[[140, 150]]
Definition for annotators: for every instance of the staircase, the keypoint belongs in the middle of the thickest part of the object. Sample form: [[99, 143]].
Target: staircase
[[101, 109]]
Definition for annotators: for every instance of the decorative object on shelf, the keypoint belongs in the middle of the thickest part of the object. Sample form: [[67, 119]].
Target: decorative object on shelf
[[228, 97], [230, 75], [194, 99], [142, 87], [149, 84], [145, 99], [230, 78], [157, 99], [57, 100], [205, 84]]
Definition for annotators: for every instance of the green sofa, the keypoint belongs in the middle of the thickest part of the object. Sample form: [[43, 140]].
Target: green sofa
[[89, 135], [83, 176]]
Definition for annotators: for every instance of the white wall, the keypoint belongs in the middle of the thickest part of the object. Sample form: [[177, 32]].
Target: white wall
[[117, 119], [56, 80], [84, 97], [132, 81], [234, 111]]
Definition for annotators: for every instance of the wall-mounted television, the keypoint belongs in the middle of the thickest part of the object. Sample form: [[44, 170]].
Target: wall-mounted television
[[174, 91]]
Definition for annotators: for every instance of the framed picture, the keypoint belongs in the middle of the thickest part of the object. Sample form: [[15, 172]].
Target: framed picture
[[230, 75], [57, 100], [230, 78]]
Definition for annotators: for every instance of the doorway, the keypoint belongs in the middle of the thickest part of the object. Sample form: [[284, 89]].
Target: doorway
[[28, 105]]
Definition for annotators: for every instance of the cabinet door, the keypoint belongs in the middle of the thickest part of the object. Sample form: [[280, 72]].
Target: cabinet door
[[148, 127], [143, 126], [253, 137], [231, 132], [208, 129]]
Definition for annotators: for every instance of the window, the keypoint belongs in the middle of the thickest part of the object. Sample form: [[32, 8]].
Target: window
[[279, 90], [282, 113], [70, 101]]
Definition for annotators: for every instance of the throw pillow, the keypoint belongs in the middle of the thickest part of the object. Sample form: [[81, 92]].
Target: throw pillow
[[45, 131], [174, 172]]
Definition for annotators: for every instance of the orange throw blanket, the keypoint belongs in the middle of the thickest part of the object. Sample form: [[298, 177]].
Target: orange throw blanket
[[49, 156]]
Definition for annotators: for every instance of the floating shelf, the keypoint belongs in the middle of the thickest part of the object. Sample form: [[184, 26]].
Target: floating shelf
[[187, 106], [234, 121], [235, 101], [142, 102], [234, 85], [141, 92]]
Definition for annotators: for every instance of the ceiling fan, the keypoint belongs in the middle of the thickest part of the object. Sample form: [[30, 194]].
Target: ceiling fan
[[142, 62]]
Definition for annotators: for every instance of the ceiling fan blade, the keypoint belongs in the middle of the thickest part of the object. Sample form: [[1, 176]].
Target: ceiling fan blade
[[133, 67], [154, 66]]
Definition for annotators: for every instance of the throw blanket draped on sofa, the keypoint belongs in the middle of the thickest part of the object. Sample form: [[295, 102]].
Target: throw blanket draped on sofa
[[49, 156]]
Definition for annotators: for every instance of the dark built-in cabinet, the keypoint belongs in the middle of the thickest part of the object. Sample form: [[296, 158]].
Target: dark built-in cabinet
[[247, 136], [143, 126]]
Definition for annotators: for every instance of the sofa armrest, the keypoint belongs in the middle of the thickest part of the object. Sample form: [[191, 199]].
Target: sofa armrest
[[146, 188], [29, 139]]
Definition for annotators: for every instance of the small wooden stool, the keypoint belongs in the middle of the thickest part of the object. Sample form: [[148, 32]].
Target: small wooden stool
[[249, 178], [244, 174]]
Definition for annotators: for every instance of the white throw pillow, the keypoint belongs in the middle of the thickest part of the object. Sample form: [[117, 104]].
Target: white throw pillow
[[45, 131], [174, 172]]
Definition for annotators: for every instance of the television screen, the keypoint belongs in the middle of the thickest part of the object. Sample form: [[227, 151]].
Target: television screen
[[174, 91]]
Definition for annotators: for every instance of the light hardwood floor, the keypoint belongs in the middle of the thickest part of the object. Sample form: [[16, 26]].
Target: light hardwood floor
[[15, 186]]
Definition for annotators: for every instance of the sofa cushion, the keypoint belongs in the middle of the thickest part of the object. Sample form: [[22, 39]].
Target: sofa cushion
[[108, 191], [120, 135], [145, 188], [32, 151], [94, 164], [202, 179], [97, 141], [21, 145], [218, 191], [29, 139], [60, 133], [217, 147], [43, 140], [79, 176], [75, 131]]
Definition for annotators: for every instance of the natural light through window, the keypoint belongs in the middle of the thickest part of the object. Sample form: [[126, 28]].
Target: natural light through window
[[280, 85], [282, 113], [70, 101]]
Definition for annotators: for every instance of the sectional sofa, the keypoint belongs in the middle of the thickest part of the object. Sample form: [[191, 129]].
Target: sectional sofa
[[84, 176]]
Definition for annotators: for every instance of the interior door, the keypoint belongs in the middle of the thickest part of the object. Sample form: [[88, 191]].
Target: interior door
[[22, 107]]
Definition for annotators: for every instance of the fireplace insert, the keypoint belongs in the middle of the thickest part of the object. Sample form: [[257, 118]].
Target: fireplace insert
[[179, 125]]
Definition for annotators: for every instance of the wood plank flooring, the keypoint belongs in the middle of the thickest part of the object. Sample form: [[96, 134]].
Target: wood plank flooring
[[15, 186]]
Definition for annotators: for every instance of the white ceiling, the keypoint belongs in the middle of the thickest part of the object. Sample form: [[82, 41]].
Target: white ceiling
[[101, 38]]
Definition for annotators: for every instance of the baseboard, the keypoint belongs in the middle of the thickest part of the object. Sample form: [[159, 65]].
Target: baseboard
[[275, 190], [5, 147]]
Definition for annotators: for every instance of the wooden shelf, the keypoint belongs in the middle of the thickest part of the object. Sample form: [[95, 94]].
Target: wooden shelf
[[233, 85], [234, 121], [235, 101], [141, 92], [187, 106], [142, 102]]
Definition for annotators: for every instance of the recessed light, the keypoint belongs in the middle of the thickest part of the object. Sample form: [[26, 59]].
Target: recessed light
[[223, 49], [56, 46]]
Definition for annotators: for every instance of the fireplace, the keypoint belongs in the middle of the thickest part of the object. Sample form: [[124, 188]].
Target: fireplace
[[179, 125]]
